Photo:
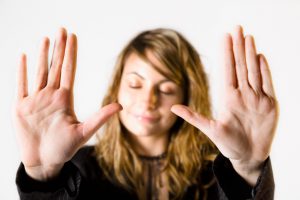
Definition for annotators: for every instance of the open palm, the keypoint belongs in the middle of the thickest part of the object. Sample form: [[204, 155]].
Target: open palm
[[48, 131], [245, 127]]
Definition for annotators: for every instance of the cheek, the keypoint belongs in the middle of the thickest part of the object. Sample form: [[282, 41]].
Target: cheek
[[167, 102], [124, 97], [126, 101], [168, 116], [169, 119]]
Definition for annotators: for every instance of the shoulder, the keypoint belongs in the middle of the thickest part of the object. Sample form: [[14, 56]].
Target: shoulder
[[206, 173], [94, 179], [85, 152], [85, 160]]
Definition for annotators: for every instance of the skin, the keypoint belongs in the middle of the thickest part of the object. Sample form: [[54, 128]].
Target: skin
[[245, 128], [49, 133], [147, 116]]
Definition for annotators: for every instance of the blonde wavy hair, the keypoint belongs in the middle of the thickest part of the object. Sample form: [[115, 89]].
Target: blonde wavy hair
[[189, 150]]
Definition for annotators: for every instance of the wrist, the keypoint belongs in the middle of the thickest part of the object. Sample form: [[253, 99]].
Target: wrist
[[248, 170], [43, 173]]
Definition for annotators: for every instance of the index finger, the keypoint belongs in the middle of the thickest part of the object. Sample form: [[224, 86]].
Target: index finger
[[229, 63]]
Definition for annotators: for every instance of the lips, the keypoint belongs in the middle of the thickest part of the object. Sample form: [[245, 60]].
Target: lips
[[146, 118]]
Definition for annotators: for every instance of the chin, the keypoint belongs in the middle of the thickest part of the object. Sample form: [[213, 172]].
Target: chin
[[143, 132]]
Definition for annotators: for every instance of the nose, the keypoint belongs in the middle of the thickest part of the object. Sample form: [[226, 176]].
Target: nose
[[150, 99]]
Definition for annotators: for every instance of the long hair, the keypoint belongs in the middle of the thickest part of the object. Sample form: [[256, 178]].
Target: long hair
[[189, 149]]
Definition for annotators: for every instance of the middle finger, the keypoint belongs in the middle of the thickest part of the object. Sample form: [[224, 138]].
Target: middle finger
[[239, 56]]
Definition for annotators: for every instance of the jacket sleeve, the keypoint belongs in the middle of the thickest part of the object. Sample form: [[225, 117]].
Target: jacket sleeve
[[65, 186], [231, 186], [80, 178]]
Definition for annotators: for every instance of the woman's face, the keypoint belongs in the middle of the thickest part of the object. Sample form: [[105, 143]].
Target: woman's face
[[146, 97]]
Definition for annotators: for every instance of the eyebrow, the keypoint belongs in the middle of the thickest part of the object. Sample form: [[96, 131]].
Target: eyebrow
[[139, 75]]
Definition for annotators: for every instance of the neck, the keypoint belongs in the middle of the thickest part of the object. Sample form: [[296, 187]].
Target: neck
[[153, 145]]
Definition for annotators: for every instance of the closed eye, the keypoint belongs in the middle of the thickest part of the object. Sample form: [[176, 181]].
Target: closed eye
[[167, 92]]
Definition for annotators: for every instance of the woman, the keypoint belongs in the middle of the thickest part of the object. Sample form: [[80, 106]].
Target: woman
[[146, 151]]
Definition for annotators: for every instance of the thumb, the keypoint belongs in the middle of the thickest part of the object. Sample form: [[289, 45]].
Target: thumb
[[199, 121], [94, 122]]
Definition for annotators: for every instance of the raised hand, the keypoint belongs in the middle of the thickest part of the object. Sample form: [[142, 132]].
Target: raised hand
[[246, 126], [48, 131]]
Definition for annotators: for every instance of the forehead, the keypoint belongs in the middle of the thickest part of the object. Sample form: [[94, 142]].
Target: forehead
[[135, 64]]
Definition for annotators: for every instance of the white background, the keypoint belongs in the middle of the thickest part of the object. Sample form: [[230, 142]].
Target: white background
[[103, 28]]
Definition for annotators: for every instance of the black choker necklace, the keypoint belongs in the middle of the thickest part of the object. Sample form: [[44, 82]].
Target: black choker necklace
[[158, 157]]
